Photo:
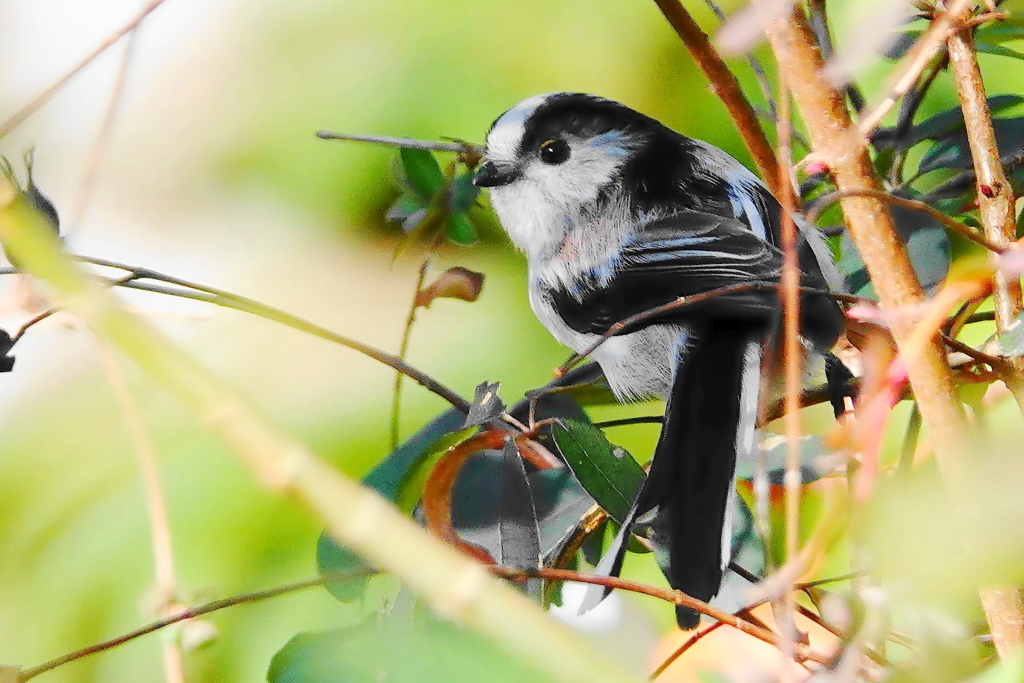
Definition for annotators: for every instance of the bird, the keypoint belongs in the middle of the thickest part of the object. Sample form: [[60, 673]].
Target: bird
[[618, 214]]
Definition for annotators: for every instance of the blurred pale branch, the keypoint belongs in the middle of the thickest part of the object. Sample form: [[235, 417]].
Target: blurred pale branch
[[156, 507], [15, 120], [356, 517]]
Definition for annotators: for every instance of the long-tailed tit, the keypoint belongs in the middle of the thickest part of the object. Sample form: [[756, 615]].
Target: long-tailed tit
[[618, 214]]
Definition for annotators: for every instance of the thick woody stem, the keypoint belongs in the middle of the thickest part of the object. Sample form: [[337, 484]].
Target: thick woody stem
[[724, 84], [1003, 607], [839, 144]]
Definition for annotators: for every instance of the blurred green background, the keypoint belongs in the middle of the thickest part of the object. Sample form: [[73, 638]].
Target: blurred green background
[[213, 174]]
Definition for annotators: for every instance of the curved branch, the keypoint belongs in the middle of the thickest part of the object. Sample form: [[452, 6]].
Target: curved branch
[[227, 299], [915, 204]]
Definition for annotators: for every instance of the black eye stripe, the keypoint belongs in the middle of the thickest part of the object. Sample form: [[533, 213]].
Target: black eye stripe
[[555, 152]]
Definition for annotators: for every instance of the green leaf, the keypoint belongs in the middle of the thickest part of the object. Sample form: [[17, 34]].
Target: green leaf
[[1011, 341], [927, 244], [608, 473], [335, 655], [997, 49], [519, 533], [560, 502], [463, 193], [404, 206], [775, 454], [951, 120], [953, 151], [396, 648], [390, 479], [1010, 28], [331, 559], [387, 477], [460, 229], [422, 172]]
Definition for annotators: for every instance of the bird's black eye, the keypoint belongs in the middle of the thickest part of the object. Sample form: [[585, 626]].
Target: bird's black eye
[[554, 152]]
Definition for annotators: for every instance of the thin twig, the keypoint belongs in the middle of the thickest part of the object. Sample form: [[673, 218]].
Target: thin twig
[[801, 653], [191, 613], [226, 299], [513, 573], [724, 84], [682, 302], [755, 66], [403, 349], [792, 357], [645, 419], [952, 224], [914, 62], [403, 142], [44, 97], [156, 507], [99, 147]]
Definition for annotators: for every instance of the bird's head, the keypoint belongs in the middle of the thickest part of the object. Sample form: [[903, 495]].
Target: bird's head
[[552, 158]]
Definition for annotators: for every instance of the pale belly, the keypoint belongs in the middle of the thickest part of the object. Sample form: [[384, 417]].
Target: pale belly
[[637, 365]]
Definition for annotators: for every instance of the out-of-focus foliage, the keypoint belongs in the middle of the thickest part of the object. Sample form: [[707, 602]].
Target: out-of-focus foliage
[[227, 132]]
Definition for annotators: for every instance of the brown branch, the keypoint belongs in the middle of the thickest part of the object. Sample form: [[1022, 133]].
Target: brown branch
[[1004, 607], [403, 350], [841, 146], [800, 653], [44, 97], [685, 301], [190, 613], [724, 84], [952, 224]]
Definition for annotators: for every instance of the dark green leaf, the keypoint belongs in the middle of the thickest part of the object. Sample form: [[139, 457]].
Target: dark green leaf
[[463, 193], [997, 49], [332, 559], [486, 405], [519, 534], [1010, 28], [1011, 341], [901, 43], [387, 477], [492, 507], [560, 502], [422, 172], [776, 453], [608, 473], [404, 206], [951, 120], [395, 648], [953, 150], [927, 244], [460, 229]]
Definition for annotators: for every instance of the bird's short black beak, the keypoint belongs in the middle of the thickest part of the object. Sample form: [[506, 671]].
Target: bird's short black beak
[[491, 175]]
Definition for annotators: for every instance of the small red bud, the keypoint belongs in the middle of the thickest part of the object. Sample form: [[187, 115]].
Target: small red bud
[[816, 168], [987, 191]]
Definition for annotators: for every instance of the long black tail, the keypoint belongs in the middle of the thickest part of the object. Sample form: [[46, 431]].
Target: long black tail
[[710, 417], [711, 414]]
